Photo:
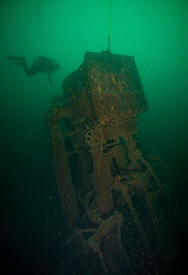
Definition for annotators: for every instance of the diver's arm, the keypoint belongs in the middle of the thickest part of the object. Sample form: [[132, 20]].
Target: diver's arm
[[49, 78]]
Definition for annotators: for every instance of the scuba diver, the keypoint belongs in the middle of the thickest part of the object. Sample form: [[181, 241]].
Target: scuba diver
[[42, 64]]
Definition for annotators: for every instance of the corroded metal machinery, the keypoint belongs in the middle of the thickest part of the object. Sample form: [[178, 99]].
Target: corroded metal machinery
[[116, 216]]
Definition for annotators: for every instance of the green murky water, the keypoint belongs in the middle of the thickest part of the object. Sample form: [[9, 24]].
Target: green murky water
[[155, 32]]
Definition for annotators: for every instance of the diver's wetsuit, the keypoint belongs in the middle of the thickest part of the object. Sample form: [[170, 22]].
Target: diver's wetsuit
[[42, 64]]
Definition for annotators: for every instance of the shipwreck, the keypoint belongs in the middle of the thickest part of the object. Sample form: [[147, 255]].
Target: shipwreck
[[117, 218]]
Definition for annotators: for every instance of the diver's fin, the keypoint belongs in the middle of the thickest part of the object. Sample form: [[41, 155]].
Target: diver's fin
[[20, 58]]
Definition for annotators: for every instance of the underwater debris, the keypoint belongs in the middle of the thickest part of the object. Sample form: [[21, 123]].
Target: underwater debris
[[116, 214]]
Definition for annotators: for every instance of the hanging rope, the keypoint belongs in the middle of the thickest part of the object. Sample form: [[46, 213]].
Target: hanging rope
[[109, 31]]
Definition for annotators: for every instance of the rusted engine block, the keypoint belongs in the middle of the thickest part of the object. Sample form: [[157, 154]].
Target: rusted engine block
[[116, 215]]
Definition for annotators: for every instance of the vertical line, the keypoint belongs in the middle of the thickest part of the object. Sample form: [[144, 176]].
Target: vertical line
[[110, 21], [109, 31]]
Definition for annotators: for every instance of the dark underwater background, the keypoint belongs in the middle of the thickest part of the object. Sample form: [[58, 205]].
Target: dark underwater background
[[156, 33]]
